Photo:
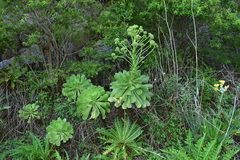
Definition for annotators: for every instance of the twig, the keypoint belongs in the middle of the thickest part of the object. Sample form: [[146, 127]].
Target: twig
[[151, 152]]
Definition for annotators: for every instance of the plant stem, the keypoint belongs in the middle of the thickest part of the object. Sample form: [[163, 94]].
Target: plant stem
[[124, 116], [219, 108], [230, 122], [30, 123]]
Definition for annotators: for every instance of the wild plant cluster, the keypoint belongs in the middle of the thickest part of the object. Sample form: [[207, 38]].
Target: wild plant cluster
[[123, 90]]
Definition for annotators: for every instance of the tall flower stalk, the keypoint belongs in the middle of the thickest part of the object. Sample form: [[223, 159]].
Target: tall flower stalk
[[130, 87], [222, 89], [134, 51]]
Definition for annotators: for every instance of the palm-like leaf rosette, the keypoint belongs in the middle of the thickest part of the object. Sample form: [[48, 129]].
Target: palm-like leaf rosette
[[93, 100], [59, 130], [122, 139], [74, 86], [130, 88]]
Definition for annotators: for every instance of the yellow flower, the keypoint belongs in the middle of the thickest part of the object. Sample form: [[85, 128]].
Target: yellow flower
[[222, 81], [114, 99], [226, 87], [216, 85], [120, 98], [216, 89], [118, 101]]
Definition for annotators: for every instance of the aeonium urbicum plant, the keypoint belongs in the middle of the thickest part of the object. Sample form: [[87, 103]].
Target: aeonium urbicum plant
[[135, 50], [29, 112], [130, 87], [94, 100], [74, 86], [59, 130], [90, 99]]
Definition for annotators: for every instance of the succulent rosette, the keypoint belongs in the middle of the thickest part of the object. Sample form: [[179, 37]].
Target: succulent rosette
[[130, 88]]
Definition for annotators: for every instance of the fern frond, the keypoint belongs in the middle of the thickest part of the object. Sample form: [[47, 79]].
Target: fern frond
[[183, 155], [198, 147], [189, 140], [177, 154], [215, 152], [37, 144], [229, 155], [109, 148], [207, 151]]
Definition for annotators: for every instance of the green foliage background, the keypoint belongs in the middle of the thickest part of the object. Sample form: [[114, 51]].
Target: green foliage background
[[65, 96]]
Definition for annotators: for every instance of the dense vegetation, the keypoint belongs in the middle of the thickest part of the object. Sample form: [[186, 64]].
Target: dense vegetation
[[126, 79]]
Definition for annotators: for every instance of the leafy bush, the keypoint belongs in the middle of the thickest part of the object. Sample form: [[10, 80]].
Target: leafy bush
[[64, 109], [13, 75], [164, 131], [34, 148], [199, 150]]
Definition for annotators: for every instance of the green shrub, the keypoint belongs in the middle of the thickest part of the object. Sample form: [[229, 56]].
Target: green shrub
[[32, 149], [199, 149]]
